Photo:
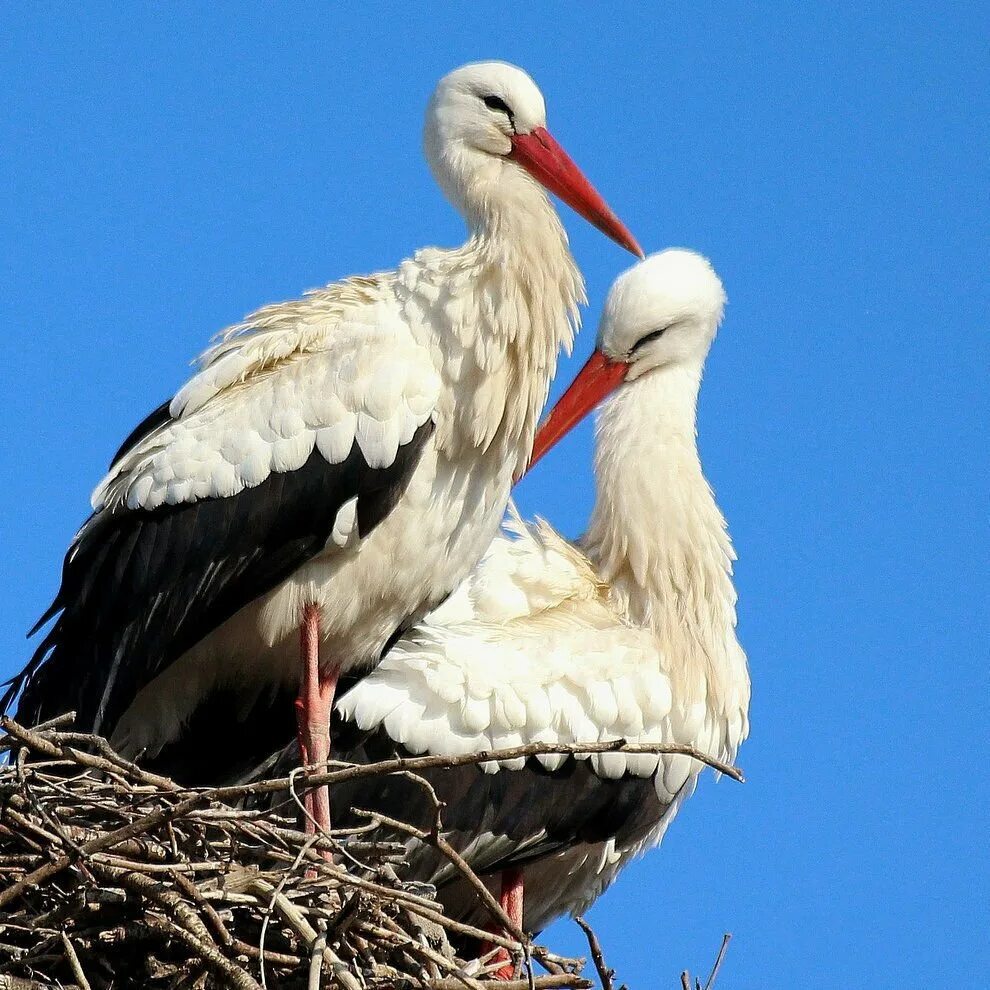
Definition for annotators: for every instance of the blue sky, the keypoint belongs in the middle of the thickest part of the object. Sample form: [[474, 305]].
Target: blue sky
[[167, 169]]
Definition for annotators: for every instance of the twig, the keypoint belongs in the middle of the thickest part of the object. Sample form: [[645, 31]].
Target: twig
[[213, 959], [19, 983], [316, 960], [484, 894], [275, 893], [74, 964], [605, 974], [415, 763], [726, 938], [340, 971], [150, 821], [423, 950]]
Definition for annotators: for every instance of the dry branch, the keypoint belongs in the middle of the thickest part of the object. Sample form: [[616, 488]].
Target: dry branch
[[352, 771], [719, 959], [111, 875], [605, 974]]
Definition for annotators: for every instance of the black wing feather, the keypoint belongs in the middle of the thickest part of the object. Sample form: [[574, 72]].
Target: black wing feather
[[156, 419], [570, 804], [564, 807], [140, 587]]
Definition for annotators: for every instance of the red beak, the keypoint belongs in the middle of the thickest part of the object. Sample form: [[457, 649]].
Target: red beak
[[552, 167], [594, 381]]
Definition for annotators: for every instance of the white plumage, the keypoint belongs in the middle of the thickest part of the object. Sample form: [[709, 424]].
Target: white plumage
[[256, 407], [339, 461], [628, 634]]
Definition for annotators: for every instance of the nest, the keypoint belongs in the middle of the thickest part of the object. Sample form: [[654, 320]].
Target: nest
[[113, 876]]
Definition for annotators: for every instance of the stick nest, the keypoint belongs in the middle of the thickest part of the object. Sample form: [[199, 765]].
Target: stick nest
[[113, 876]]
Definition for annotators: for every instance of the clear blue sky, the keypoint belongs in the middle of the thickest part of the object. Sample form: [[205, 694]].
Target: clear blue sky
[[163, 170]]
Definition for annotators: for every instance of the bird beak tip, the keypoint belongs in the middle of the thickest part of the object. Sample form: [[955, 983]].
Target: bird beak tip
[[540, 154], [634, 249]]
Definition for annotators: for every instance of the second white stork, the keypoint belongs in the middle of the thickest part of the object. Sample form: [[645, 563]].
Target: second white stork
[[630, 634], [334, 468]]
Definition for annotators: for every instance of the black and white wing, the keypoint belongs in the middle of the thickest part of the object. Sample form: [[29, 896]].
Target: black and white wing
[[573, 674], [219, 497]]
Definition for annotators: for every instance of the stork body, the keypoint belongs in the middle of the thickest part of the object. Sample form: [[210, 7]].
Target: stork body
[[629, 634], [433, 530], [335, 467]]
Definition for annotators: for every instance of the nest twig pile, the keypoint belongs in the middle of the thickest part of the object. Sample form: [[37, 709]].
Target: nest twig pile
[[112, 876]]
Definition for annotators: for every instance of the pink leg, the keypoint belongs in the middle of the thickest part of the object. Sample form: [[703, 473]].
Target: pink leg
[[313, 707], [511, 899]]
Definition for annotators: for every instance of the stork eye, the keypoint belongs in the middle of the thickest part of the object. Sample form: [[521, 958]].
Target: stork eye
[[498, 104], [643, 341]]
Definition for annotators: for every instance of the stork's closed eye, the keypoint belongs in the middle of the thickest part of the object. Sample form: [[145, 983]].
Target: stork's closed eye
[[652, 335], [498, 104]]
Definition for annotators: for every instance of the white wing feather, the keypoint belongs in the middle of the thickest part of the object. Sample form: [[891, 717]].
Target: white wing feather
[[531, 649], [528, 570], [256, 407], [527, 650]]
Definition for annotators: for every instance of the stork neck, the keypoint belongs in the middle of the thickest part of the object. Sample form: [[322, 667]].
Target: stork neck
[[519, 226], [505, 304], [659, 541], [656, 534]]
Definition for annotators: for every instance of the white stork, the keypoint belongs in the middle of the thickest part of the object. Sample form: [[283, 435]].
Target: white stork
[[629, 634], [337, 464]]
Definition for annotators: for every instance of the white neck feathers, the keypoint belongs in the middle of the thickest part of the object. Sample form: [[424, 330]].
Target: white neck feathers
[[504, 304], [658, 537]]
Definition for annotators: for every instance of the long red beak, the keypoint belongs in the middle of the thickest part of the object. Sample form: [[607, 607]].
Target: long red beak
[[594, 381], [552, 167]]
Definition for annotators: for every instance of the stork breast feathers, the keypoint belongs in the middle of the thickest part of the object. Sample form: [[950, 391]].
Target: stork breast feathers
[[262, 401], [529, 570]]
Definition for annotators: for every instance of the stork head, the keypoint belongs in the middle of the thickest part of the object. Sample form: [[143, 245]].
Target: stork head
[[487, 142], [661, 313]]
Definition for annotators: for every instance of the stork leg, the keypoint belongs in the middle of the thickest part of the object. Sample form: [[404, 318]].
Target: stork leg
[[313, 708], [511, 900]]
